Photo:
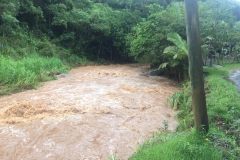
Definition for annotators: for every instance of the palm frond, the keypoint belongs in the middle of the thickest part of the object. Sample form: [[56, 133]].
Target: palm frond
[[170, 49], [177, 40], [163, 65]]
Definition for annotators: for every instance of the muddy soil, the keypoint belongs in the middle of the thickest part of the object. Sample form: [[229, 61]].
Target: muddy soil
[[96, 112]]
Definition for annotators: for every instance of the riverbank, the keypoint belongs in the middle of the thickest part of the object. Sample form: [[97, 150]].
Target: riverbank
[[223, 139]]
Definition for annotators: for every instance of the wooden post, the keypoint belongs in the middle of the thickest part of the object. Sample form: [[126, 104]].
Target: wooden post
[[195, 66]]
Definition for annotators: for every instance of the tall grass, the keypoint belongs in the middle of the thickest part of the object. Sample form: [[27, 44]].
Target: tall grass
[[179, 146], [28, 58], [182, 101], [223, 100], [27, 72]]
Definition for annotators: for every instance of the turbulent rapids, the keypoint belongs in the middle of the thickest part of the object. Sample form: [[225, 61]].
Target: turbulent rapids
[[96, 112]]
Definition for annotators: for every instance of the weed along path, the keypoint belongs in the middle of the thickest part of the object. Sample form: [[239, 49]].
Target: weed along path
[[96, 112]]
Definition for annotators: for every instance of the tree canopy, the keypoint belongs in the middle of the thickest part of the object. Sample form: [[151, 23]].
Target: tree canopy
[[113, 30]]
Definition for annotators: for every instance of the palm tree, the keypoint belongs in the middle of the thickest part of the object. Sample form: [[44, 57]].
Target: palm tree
[[177, 55]]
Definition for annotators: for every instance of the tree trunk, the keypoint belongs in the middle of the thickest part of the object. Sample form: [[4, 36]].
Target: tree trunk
[[3, 35], [230, 50], [195, 66], [49, 21], [99, 51], [234, 53], [111, 53], [210, 59]]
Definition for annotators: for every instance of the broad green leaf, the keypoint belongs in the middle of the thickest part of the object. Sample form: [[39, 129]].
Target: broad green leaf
[[163, 65]]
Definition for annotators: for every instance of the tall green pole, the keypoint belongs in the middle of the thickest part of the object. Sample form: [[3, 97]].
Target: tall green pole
[[195, 66]]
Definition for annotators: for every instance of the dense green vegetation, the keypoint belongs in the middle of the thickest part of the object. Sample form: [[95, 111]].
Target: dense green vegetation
[[27, 72], [41, 38], [82, 27], [185, 145], [223, 139], [76, 31]]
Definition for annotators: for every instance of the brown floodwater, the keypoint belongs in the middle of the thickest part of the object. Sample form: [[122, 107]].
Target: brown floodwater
[[96, 112]]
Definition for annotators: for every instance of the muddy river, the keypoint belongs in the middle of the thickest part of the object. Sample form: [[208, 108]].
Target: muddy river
[[96, 112]]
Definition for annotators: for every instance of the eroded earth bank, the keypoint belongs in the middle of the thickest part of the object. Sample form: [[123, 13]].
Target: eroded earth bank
[[96, 112]]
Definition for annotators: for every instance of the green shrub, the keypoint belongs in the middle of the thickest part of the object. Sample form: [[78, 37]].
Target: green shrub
[[7, 51], [46, 49]]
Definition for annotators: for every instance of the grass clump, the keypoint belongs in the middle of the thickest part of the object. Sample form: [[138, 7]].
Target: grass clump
[[184, 145], [182, 101], [27, 72]]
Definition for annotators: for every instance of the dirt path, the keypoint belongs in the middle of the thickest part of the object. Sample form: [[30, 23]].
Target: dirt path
[[235, 77], [98, 112]]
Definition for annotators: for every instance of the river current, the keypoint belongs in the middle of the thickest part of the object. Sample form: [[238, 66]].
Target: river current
[[96, 112]]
